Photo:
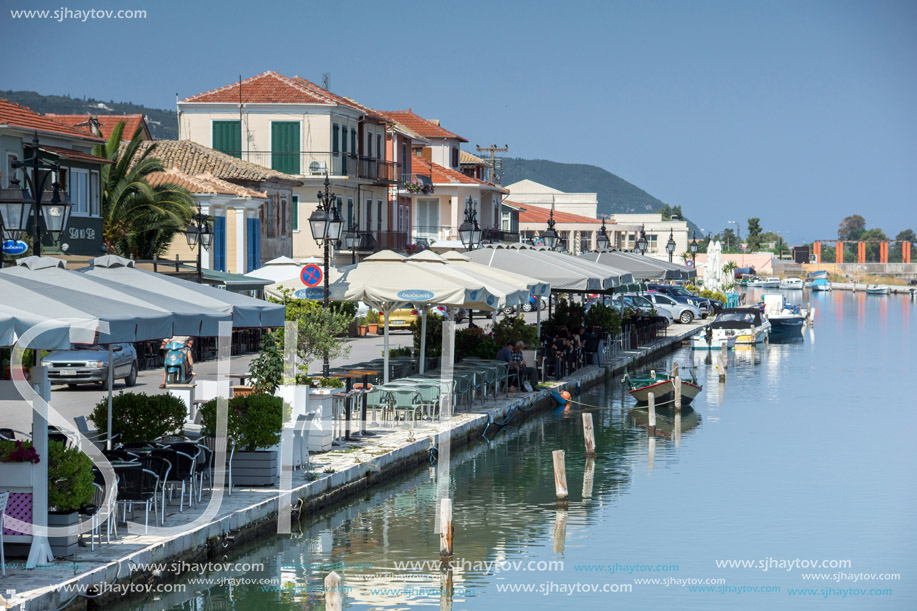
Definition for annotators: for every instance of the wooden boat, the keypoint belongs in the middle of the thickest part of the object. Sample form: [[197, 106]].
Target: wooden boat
[[663, 388], [875, 289]]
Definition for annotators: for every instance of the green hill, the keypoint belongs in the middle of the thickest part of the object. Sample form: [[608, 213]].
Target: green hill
[[614, 193], [163, 123]]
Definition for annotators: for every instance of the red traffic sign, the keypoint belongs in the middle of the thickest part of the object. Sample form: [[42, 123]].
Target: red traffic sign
[[689, 263], [311, 275]]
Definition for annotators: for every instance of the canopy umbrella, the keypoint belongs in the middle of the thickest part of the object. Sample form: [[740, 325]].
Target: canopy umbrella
[[521, 261], [508, 293], [612, 277], [387, 282], [187, 318], [246, 311], [642, 268], [282, 268]]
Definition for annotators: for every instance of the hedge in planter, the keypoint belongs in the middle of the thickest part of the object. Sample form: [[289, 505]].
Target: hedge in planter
[[255, 421], [69, 478], [140, 417]]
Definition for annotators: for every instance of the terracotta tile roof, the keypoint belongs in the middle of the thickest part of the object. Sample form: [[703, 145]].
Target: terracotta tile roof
[[20, 116], [446, 176], [194, 159], [202, 183], [424, 127], [75, 155], [537, 214], [107, 123], [466, 157], [265, 88]]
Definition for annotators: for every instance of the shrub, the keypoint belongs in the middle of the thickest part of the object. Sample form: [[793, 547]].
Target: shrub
[[304, 380], [254, 421], [266, 368], [139, 417], [399, 351], [69, 478], [604, 317], [434, 346], [513, 329], [372, 317]]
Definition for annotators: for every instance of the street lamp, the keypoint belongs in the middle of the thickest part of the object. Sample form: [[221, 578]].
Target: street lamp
[[17, 205], [694, 249], [601, 240], [641, 241], [326, 225], [550, 236], [351, 241], [670, 245], [200, 236], [469, 232]]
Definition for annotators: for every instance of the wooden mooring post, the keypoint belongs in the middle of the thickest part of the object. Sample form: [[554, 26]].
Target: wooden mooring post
[[652, 413], [724, 355], [589, 435], [560, 531], [675, 369], [560, 476], [446, 530], [334, 597], [677, 393]]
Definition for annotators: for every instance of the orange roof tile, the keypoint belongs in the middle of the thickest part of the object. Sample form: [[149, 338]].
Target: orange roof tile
[[202, 183], [20, 116], [71, 154], [537, 214], [107, 123], [444, 176], [265, 88], [424, 127]]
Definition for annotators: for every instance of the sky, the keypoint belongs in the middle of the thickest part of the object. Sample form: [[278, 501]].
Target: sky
[[799, 113]]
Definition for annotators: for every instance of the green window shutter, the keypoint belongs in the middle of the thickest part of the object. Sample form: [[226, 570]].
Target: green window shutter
[[285, 146], [295, 213], [227, 137], [335, 147], [344, 139]]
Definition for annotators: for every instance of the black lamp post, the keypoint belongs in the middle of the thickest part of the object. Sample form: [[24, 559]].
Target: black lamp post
[[641, 241], [17, 205], [694, 249], [326, 225], [469, 232], [601, 240], [670, 245], [199, 236], [550, 236]]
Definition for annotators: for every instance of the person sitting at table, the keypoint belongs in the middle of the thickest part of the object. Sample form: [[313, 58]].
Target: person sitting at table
[[524, 373], [505, 354]]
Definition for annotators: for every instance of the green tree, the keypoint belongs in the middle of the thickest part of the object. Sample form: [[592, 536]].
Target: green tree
[[897, 252], [872, 237], [754, 234], [729, 240], [851, 228], [138, 219], [676, 212]]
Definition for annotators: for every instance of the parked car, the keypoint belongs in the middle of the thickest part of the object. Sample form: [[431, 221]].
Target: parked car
[[643, 304], [682, 312], [529, 306], [86, 364], [705, 305]]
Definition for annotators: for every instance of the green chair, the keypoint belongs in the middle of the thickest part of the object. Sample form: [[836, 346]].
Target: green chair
[[406, 402]]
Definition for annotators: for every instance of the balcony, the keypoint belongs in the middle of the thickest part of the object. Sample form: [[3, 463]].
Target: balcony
[[377, 170], [374, 241], [316, 164], [495, 236], [417, 183]]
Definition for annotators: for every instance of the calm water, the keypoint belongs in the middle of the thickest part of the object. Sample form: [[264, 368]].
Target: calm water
[[807, 453]]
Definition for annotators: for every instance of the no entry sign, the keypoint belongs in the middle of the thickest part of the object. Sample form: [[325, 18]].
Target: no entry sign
[[311, 275]]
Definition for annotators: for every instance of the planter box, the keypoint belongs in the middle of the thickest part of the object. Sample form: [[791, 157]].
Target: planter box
[[320, 434], [62, 547], [255, 468], [16, 475]]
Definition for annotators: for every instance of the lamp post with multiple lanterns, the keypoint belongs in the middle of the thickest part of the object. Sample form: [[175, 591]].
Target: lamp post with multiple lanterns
[[694, 249], [601, 240], [469, 232], [549, 235], [199, 236], [641, 241], [326, 225], [50, 209], [670, 245]]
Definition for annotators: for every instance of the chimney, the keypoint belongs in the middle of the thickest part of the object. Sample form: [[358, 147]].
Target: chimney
[[434, 121]]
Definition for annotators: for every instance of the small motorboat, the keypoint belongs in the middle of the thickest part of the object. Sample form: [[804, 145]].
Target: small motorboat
[[771, 282], [704, 340], [792, 284], [663, 388], [746, 325], [783, 317], [818, 281], [875, 289]]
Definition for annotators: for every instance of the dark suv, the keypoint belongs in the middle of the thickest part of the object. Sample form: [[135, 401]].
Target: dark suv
[[706, 306]]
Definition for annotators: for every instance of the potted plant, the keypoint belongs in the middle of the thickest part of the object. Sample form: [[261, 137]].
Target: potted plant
[[254, 424], [372, 322], [362, 326], [69, 488], [140, 417]]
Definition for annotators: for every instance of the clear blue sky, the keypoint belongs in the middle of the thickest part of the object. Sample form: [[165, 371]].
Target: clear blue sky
[[796, 112]]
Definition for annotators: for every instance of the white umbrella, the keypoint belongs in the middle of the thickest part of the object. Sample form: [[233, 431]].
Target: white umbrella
[[524, 261], [387, 282], [282, 268]]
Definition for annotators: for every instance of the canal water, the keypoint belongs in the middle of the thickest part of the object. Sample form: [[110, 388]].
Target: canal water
[[791, 485]]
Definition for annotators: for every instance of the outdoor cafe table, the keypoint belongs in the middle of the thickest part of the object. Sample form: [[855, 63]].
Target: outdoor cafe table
[[365, 373], [348, 381]]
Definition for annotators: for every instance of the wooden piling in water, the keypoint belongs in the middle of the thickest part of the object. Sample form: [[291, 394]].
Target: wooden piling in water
[[677, 393], [675, 369], [334, 598], [560, 476], [724, 355], [446, 530], [588, 478], [721, 369], [652, 412], [589, 435]]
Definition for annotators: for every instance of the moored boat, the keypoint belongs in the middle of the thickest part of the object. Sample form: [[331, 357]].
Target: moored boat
[[663, 388], [792, 284], [783, 317], [818, 281], [875, 289], [747, 325]]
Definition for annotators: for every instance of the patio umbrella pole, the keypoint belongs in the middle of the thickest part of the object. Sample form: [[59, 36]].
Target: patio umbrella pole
[[538, 319], [386, 312], [423, 337], [111, 373], [40, 551]]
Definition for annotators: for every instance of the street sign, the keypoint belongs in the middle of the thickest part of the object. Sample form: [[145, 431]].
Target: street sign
[[311, 275], [17, 247], [689, 263]]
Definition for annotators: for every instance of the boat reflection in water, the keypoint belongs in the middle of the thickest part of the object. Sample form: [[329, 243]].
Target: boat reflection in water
[[666, 419]]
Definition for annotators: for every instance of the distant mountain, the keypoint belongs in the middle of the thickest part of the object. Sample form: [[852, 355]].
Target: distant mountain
[[163, 123], [614, 193]]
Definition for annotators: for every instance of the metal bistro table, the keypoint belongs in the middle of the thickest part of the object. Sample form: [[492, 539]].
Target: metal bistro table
[[365, 373], [348, 386]]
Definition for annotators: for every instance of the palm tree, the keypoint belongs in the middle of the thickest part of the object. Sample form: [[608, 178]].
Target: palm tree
[[138, 219]]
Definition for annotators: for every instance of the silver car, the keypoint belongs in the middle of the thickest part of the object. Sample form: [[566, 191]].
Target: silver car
[[89, 365], [639, 302], [682, 312]]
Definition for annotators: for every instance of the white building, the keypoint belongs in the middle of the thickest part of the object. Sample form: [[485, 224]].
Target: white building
[[530, 193]]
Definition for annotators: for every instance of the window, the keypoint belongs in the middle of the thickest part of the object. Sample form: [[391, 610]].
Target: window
[[349, 212], [379, 215], [427, 211], [651, 245], [369, 145], [343, 138], [270, 216], [455, 157], [369, 214], [353, 141], [95, 196], [227, 137], [282, 218], [285, 146], [10, 172], [295, 213], [79, 191], [335, 134], [378, 146]]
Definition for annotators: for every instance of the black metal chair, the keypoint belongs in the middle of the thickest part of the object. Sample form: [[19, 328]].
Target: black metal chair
[[210, 443], [122, 455], [161, 467], [137, 485], [182, 472]]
